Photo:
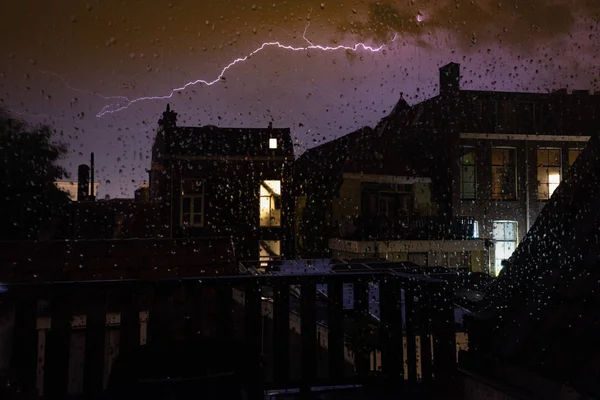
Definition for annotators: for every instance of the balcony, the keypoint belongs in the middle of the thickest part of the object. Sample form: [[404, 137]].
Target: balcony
[[260, 334], [409, 228]]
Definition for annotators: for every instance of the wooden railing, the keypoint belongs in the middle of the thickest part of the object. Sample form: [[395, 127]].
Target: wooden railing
[[411, 342]]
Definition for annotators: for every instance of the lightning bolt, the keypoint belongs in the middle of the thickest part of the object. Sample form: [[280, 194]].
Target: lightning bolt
[[126, 102], [67, 84]]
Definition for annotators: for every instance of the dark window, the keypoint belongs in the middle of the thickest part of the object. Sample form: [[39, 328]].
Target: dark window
[[504, 173], [192, 202], [468, 171]]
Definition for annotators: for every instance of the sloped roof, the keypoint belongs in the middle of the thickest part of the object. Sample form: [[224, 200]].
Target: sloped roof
[[545, 306]]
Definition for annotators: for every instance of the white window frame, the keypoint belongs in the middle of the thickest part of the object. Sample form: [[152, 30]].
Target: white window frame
[[193, 213]]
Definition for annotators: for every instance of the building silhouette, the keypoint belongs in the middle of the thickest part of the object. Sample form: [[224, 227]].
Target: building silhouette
[[495, 157], [225, 181]]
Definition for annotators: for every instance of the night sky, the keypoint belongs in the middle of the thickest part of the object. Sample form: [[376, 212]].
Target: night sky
[[59, 58]]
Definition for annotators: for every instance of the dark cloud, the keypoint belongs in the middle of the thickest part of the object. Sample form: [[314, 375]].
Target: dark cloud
[[523, 23]]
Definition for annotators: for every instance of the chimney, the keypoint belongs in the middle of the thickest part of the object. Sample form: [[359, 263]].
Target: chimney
[[450, 78], [92, 183], [83, 182], [169, 118]]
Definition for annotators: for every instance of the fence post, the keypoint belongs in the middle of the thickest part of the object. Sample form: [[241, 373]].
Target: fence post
[[392, 352], [335, 337], [95, 335], [308, 328], [281, 332], [444, 334], [56, 370]]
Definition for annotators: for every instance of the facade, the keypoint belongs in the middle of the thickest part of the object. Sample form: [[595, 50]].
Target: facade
[[227, 182], [499, 156], [357, 198]]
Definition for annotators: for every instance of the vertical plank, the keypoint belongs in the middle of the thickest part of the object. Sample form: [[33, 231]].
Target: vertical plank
[[361, 313], [193, 310], [308, 328], [57, 351], [25, 340], [409, 318], [224, 327], [390, 305], [444, 334], [160, 313], [95, 331], [253, 337], [335, 322], [130, 318], [281, 332], [424, 331]]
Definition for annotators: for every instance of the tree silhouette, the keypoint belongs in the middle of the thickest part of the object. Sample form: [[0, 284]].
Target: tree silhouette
[[29, 199]]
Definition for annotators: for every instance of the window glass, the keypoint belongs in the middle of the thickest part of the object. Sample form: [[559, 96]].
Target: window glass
[[192, 202], [270, 204], [468, 174], [268, 250], [504, 174], [505, 235], [548, 172]]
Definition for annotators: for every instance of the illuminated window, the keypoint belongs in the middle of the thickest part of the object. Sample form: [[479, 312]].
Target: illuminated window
[[506, 238], [270, 203], [504, 173], [573, 154], [273, 143], [548, 172], [192, 202], [268, 250], [467, 174]]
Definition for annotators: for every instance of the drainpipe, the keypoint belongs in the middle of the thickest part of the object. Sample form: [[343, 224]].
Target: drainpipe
[[527, 222]]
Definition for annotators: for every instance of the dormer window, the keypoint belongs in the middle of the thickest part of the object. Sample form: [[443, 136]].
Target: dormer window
[[272, 143]]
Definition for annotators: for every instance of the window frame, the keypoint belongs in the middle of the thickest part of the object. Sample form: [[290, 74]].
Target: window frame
[[540, 166], [515, 194], [264, 260], [498, 268], [272, 205], [192, 197]]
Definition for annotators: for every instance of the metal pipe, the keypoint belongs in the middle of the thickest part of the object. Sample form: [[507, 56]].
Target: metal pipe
[[92, 192]]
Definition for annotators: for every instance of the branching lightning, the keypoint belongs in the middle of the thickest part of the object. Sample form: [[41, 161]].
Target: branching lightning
[[126, 102]]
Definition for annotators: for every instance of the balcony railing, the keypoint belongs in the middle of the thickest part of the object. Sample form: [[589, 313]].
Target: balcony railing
[[409, 228], [287, 342]]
